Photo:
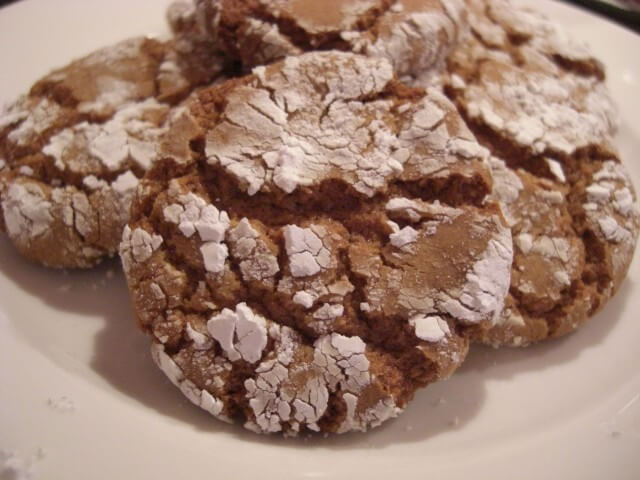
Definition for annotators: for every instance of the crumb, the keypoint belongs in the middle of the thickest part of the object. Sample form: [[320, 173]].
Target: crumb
[[61, 404], [15, 467], [439, 401]]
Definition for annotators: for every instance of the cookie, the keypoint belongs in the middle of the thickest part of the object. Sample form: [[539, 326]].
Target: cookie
[[573, 244], [74, 148], [319, 247], [414, 35], [536, 99], [519, 75]]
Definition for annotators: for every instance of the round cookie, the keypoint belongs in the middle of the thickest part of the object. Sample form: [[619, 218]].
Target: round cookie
[[537, 100], [522, 78], [414, 35], [572, 247], [73, 149], [320, 254]]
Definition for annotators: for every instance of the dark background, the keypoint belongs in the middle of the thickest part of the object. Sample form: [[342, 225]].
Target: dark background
[[630, 19]]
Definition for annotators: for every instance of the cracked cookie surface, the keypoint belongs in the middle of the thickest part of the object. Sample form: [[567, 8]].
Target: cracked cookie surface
[[414, 35], [316, 252], [73, 149], [537, 99]]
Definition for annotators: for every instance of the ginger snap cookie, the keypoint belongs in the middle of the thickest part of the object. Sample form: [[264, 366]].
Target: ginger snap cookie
[[414, 35], [537, 100], [317, 247], [72, 150]]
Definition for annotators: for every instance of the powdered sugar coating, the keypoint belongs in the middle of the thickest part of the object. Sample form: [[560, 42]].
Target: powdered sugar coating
[[556, 170], [13, 113], [241, 334], [255, 254], [548, 255], [193, 215], [137, 246], [304, 133], [616, 216], [430, 329], [415, 36], [291, 155], [523, 90], [344, 363], [131, 135], [543, 34], [27, 211], [294, 383], [551, 256], [404, 237], [200, 340], [36, 117], [286, 393], [303, 298], [539, 101], [271, 404], [476, 294], [540, 112], [334, 349], [307, 254], [415, 210], [89, 219], [201, 398], [87, 131], [486, 285]]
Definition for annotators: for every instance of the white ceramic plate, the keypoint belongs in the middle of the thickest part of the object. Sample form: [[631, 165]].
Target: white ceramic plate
[[80, 397]]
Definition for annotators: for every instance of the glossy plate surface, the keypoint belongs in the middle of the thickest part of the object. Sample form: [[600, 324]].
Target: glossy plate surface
[[80, 397]]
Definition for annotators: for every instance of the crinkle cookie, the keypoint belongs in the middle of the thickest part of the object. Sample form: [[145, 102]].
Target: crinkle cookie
[[72, 150], [414, 35], [317, 247], [537, 100]]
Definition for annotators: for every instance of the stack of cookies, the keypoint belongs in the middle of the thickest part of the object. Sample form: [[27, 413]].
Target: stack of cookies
[[320, 205]]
